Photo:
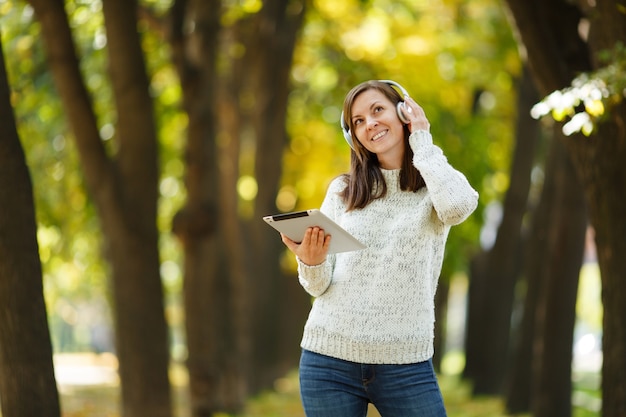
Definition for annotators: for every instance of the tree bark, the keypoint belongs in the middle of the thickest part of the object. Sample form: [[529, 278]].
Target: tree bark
[[27, 384], [124, 190], [556, 312], [497, 273], [272, 40], [142, 336], [540, 379], [197, 224], [550, 33], [604, 177], [536, 256], [600, 165], [474, 328], [236, 110]]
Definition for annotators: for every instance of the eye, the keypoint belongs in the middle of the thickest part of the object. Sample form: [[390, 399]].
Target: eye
[[357, 122], [378, 109]]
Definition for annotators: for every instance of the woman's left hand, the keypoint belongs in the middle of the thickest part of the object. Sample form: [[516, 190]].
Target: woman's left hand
[[415, 114], [313, 248]]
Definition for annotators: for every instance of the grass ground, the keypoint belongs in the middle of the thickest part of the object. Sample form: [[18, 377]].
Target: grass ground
[[282, 401], [81, 396], [101, 400]]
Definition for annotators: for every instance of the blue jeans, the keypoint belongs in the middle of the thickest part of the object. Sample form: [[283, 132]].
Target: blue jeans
[[332, 387]]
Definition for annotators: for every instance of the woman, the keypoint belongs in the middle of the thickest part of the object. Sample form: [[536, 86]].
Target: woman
[[369, 335]]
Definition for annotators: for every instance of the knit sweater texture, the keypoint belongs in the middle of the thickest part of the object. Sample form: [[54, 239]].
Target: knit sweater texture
[[376, 305]]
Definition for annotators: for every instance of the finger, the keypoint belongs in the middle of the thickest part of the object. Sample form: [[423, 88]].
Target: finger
[[327, 239], [291, 245], [308, 236], [411, 101], [320, 237], [416, 108], [417, 116]]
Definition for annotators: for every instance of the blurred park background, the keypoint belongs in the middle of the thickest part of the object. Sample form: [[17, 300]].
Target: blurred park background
[[141, 142]]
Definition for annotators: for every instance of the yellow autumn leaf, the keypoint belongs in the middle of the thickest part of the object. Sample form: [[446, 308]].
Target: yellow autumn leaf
[[587, 129], [559, 114], [594, 107]]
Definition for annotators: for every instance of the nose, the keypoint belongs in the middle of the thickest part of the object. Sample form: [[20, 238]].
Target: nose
[[371, 122]]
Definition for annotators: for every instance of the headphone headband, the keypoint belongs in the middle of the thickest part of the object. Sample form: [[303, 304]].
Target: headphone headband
[[345, 128], [402, 90]]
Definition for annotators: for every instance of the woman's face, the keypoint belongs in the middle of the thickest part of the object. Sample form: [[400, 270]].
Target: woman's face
[[377, 127]]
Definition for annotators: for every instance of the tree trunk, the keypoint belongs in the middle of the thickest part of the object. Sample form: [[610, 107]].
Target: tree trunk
[[125, 194], [556, 51], [600, 164], [499, 270], [208, 322], [142, 336], [536, 257], [272, 40], [550, 32], [556, 312], [474, 329], [602, 168], [27, 384], [232, 340], [543, 356]]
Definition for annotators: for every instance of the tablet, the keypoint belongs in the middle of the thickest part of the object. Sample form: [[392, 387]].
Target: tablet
[[293, 225]]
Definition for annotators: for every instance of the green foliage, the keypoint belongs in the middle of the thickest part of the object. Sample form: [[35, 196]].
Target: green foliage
[[75, 272], [456, 58], [590, 97], [68, 235]]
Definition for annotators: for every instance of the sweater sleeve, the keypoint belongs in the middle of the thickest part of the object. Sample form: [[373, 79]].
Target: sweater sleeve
[[315, 279], [452, 196]]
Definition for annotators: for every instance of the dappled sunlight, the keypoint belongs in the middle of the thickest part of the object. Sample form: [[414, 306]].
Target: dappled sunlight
[[287, 198], [247, 187], [370, 38], [81, 369], [323, 76], [88, 385], [415, 45]]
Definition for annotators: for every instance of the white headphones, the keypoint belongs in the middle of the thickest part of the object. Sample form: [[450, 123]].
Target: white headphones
[[400, 108]]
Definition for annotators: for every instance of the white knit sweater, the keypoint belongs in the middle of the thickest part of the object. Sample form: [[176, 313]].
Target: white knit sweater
[[376, 305]]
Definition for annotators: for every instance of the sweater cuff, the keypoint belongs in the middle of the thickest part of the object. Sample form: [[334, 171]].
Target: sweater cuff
[[305, 265], [314, 278], [421, 142], [420, 138]]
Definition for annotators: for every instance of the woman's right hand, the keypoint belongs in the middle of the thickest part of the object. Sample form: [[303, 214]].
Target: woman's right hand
[[313, 248], [416, 115]]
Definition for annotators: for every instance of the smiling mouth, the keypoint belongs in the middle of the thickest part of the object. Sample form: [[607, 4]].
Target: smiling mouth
[[379, 135]]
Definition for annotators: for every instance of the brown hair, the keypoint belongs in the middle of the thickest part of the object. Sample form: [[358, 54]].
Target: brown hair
[[365, 181]]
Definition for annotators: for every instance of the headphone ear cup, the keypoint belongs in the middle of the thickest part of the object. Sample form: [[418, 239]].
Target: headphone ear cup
[[347, 135], [401, 110]]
